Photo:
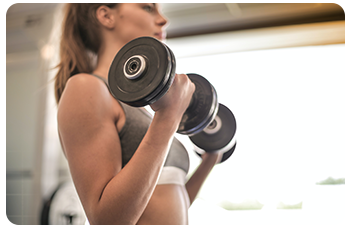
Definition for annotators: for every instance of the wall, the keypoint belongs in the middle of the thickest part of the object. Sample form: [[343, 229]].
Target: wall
[[26, 92]]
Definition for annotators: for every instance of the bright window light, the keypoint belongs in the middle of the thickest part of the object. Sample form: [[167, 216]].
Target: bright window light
[[292, 133]]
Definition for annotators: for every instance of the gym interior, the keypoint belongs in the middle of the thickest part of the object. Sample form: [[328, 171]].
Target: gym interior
[[279, 67]]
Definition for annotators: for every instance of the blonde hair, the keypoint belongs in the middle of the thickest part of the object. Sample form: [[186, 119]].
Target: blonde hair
[[80, 41]]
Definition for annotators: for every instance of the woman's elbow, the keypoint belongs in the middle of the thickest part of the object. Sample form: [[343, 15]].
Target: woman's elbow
[[112, 217]]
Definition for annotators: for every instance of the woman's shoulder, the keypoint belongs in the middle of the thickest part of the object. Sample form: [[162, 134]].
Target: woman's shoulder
[[84, 80], [87, 85], [85, 91]]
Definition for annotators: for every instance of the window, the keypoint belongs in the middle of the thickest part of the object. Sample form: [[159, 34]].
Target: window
[[292, 134]]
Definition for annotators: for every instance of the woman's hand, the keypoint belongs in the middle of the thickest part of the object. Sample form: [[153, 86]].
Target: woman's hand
[[178, 97], [212, 157]]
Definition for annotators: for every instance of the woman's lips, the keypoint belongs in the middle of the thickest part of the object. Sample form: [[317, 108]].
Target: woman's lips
[[160, 35]]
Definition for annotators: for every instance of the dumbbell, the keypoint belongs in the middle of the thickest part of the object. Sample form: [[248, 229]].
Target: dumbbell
[[143, 71], [218, 136]]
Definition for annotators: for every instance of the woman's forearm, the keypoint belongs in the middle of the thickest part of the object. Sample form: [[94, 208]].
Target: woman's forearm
[[130, 190], [196, 181]]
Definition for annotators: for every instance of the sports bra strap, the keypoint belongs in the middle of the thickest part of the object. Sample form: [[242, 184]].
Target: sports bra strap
[[99, 77]]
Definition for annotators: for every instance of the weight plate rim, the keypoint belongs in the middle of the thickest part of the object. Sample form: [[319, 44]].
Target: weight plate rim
[[226, 154], [162, 91], [211, 113]]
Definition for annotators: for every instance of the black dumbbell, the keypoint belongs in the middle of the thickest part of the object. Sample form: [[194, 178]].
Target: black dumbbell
[[219, 135], [143, 71]]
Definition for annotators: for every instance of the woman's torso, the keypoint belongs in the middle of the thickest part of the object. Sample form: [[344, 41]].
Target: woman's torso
[[170, 202], [168, 206]]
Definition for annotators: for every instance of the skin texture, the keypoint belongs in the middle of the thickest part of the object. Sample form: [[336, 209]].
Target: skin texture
[[89, 120]]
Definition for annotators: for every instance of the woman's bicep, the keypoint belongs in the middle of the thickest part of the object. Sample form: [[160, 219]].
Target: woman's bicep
[[90, 140], [93, 164]]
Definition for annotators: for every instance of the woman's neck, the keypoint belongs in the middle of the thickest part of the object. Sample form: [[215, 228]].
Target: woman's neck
[[105, 58]]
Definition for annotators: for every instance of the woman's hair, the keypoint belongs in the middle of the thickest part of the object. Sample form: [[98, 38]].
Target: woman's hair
[[80, 38]]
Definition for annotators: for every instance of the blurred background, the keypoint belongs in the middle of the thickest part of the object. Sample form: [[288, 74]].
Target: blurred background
[[279, 67]]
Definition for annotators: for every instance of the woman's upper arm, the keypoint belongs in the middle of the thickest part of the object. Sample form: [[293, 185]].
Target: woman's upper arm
[[87, 128]]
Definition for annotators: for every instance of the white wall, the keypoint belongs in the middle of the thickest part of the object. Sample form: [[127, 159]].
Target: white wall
[[292, 123], [26, 93]]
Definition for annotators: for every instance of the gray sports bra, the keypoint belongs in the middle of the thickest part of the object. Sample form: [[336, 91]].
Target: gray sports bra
[[133, 131]]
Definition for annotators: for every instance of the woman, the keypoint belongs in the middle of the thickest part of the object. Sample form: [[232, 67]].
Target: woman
[[126, 166]]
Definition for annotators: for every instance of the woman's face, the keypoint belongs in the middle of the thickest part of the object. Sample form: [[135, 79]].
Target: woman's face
[[139, 19]]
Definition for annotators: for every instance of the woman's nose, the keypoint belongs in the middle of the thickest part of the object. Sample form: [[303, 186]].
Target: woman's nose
[[161, 20]]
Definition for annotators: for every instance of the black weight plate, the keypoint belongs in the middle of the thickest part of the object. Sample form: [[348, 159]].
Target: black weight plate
[[166, 87], [222, 137], [228, 154], [141, 91], [63, 207], [202, 109], [44, 218]]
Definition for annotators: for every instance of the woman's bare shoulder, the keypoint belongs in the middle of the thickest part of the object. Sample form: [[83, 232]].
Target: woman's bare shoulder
[[86, 84], [87, 95]]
